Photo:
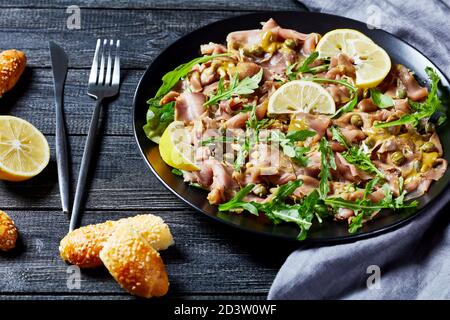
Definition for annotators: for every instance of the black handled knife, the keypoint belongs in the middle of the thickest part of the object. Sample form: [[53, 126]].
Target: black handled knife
[[59, 66]]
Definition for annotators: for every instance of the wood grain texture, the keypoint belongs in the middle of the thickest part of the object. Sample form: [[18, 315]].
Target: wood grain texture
[[32, 99], [144, 33], [207, 257], [210, 260], [239, 5]]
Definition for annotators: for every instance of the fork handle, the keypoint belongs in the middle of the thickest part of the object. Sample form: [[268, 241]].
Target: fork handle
[[85, 164]]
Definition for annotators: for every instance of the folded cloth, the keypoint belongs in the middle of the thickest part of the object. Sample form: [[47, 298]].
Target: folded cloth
[[413, 261]]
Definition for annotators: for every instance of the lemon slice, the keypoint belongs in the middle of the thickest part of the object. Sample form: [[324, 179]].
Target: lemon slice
[[301, 96], [176, 149], [24, 151], [372, 63], [335, 42]]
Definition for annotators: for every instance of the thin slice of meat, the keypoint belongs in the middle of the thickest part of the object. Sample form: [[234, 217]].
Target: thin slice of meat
[[239, 39], [437, 143], [221, 183], [239, 120], [414, 91], [416, 187], [189, 106], [353, 135], [349, 171], [367, 105], [438, 170], [195, 83], [340, 66], [318, 123], [212, 48], [309, 185], [169, 97], [245, 69]]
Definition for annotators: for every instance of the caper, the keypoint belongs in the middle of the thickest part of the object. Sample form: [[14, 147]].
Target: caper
[[290, 43], [428, 147], [321, 209], [253, 51], [370, 142], [260, 190], [400, 93], [356, 120], [398, 158]]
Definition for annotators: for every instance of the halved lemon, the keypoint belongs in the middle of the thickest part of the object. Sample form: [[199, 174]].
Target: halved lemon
[[176, 149], [301, 96], [372, 63], [24, 151]]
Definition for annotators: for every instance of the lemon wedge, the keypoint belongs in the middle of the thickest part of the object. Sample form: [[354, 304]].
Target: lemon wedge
[[301, 96], [176, 149], [24, 151], [372, 63]]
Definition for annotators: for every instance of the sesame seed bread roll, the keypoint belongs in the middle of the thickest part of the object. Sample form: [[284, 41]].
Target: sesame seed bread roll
[[82, 246], [8, 232], [12, 65], [134, 263]]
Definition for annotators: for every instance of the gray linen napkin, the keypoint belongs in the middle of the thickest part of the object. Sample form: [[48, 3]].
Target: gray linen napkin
[[413, 262]]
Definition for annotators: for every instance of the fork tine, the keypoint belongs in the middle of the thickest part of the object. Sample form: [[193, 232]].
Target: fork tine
[[101, 75], [108, 68], [93, 74], [116, 72]]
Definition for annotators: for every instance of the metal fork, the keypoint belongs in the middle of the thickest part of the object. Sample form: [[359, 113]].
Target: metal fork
[[100, 86]]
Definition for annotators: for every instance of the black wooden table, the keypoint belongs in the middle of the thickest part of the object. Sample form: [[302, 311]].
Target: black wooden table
[[209, 260]]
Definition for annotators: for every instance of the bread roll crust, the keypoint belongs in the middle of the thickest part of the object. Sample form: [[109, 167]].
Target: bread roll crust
[[8, 232], [134, 263], [82, 246], [12, 65]]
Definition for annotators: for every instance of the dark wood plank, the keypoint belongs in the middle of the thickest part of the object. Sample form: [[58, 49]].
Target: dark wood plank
[[208, 258], [144, 33], [121, 180], [240, 5], [32, 99]]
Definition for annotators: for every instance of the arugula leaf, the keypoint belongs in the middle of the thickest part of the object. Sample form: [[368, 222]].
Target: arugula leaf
[[364, 207], [327, 162], [424, 109], [355, 155], [171, 78], [158, 118], [276, 209], [219, 139], [381, 100], [236, 87], [242, 153], [293, 70], [177, 172], [287, 144], [237, 203]]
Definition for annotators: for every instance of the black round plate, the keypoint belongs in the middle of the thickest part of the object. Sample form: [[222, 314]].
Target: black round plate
[[187, 48]]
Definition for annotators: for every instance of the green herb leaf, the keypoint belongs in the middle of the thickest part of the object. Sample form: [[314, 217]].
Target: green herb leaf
[[236, 87], [381, 100], [294, 69], [288, 141], [423, 110], [171, 78], [177, 172], [327, 161], [237, 203], [356, 155], [158, 118]]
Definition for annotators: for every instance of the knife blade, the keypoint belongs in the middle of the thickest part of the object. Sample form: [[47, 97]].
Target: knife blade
[[59, 62]]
